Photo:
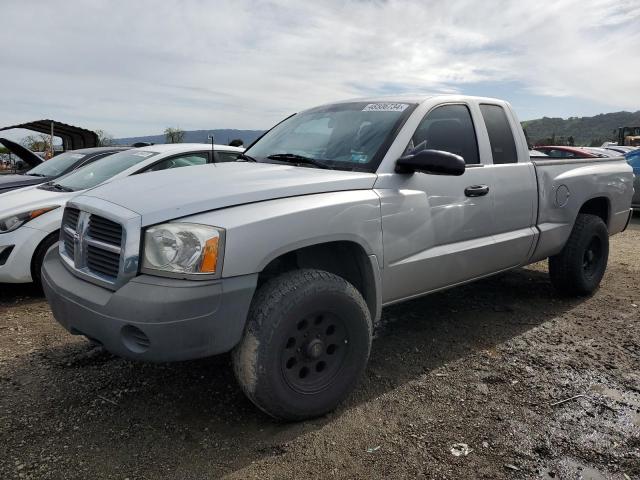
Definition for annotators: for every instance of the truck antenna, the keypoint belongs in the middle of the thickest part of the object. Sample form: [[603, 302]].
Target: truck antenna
[[213, 154]]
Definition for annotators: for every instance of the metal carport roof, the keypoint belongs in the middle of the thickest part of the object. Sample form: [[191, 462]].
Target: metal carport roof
[[72, 137]]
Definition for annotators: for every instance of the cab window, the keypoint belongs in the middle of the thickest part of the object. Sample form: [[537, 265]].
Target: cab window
[[448, 128], [503, 146]]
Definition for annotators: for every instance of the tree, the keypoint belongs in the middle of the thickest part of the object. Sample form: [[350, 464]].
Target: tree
[[571, 141], [530, 144], [105, 139], [173, 135], [236, 142], [37, 142]]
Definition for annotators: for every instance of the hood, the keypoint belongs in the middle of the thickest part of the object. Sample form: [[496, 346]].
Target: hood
[[21, 152], [11, 182], [31, 198], [170, 194]]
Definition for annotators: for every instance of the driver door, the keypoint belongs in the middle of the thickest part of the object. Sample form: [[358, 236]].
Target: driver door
[[437, 230]]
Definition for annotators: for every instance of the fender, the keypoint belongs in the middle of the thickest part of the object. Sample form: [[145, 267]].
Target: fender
[[259, 232]]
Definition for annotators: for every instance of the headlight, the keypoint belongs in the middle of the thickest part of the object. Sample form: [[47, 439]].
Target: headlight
[[183, 249], [9, 224]]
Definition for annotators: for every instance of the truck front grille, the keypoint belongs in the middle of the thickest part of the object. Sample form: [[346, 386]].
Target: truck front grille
[[69, 225], [71, 217], [103, 261], [105, 230], [92, 244]]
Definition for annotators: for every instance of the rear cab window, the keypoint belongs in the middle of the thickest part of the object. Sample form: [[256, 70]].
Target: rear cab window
[[503, 145]]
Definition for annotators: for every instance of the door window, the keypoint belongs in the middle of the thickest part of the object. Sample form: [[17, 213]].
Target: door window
[[448, 128], [226, 156], [186, 160], [503, 146]]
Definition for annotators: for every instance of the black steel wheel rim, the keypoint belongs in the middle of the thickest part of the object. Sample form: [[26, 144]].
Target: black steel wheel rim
[[592, 256], [314, 352]]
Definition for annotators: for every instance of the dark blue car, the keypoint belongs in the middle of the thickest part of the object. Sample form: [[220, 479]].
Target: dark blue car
[[634, 160]]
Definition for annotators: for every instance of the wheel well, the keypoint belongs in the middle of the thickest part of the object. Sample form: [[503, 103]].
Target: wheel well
[[36, 252], [343, 258], [597, 206]]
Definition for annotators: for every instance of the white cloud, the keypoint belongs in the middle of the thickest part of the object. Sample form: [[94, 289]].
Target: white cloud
[[137, 67]]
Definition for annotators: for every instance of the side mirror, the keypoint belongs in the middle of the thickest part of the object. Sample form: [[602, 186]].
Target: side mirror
[[435, 162]]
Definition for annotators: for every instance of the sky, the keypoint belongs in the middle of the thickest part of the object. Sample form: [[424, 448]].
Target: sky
[[136, 67]]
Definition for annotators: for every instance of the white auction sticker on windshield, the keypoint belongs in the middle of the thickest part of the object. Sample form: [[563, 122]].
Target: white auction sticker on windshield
[[142, 154], [385, 107]]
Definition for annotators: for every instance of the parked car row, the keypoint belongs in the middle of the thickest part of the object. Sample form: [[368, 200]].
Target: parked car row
[[44, 171], [30, 217], [607, 150], [567, 152]]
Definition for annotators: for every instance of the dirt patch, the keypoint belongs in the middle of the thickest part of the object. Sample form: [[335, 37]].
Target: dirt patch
[[481, 365]]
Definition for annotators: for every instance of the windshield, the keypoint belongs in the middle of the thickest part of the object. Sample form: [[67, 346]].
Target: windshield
[[345, 135], [101, 170], [57, 165]]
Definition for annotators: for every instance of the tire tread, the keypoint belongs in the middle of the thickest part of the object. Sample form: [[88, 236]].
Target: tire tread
[[262, 324], [564, 268]]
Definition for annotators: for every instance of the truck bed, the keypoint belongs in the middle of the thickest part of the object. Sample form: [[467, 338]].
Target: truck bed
[[605, 185]]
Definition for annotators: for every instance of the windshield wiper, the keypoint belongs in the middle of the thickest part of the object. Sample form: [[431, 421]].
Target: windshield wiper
[[248, 158], [35, 174], [293, 158], [57, 186]]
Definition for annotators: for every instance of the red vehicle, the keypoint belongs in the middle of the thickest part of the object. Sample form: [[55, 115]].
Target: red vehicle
[[567, 152]]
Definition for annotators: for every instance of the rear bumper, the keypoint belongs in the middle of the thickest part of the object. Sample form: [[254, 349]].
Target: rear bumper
[[151, 318]]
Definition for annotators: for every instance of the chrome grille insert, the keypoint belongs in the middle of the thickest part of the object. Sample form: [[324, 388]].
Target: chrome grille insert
[[69, 226], [92, 245], [105, 230], [103, 261]]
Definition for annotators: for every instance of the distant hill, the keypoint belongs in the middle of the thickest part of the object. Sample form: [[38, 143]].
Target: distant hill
[[222, 137], [545, 130], [585, 131]]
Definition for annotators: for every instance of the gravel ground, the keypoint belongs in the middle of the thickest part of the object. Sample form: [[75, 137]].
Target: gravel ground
[[486, 365]]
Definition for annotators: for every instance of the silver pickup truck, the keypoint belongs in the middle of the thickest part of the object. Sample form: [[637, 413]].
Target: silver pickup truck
[[287, 256]]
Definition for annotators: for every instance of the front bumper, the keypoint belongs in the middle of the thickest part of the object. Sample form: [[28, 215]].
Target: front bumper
[[151, 318]]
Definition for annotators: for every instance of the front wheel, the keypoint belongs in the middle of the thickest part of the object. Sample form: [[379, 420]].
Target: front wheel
[[580, 266], [306, 344]]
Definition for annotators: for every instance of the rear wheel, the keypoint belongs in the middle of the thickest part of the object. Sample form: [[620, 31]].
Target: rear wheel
[[580, 266], [38, 257], [306, 344]]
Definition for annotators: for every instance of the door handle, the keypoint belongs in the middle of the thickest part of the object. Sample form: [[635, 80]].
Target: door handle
[[476, 190]]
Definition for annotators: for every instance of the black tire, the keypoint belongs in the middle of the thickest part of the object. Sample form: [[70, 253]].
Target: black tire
[[578, 269], [38, 257], [306, 344]]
